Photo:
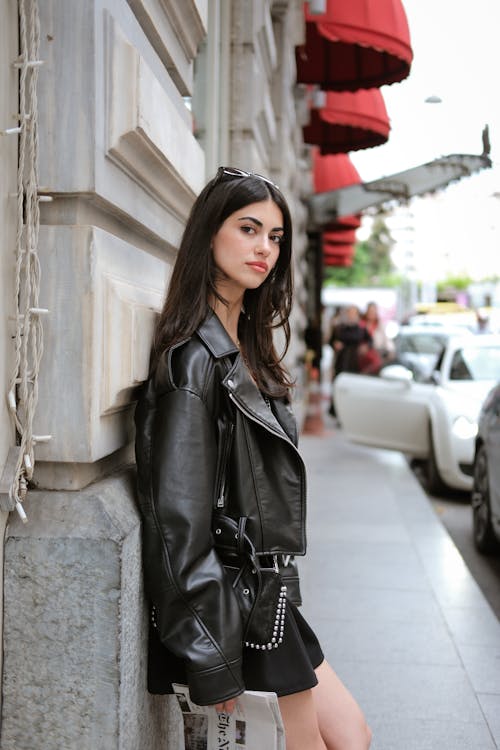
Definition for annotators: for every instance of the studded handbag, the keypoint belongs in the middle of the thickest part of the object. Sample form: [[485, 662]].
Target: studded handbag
[[258, 587]]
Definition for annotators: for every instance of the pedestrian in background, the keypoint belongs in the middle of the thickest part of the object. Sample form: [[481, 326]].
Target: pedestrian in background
[[349, 339], [216, 449], [381, 343]]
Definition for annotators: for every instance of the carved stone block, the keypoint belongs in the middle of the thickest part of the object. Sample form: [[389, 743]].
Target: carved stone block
[[175, 29], [103, 295], [114, 128], [146, 135]]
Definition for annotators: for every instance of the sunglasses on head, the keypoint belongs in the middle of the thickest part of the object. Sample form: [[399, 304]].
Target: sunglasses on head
[[234, 172]]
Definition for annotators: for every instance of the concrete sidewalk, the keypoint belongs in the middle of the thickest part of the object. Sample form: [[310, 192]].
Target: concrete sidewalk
[[399, 616]]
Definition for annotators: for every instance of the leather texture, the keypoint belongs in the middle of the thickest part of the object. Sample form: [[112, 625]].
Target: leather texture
[[201, 400]]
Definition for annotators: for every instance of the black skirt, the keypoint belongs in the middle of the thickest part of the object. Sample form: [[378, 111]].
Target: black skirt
[[284, 670]]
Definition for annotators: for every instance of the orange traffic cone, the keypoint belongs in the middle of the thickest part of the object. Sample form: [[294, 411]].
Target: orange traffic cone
[[313, 421]]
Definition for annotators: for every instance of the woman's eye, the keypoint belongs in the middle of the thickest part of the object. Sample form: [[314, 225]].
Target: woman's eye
[[277, 238], [248, 229]]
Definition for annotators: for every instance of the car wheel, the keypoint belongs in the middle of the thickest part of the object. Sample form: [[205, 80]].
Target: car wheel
[[484, 535], [434, 483]]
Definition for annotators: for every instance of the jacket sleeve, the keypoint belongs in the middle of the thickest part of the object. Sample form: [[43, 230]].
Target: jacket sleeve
[[197, 615]]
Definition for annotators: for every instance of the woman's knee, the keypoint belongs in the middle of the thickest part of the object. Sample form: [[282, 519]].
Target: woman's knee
[[341, 721], [369, 735], [357, 736], [363, 733]]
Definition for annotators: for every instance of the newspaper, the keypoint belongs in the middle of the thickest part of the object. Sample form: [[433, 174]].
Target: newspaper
[[255, 724]]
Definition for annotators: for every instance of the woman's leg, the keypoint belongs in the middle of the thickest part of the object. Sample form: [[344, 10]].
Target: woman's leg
[[324, 718], [341, 721], [298, 712]]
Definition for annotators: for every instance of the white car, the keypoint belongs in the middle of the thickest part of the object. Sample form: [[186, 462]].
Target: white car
[[435, 420], [419, 347]]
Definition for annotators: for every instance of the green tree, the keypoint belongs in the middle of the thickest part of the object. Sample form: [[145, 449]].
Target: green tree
[[372, 265], [454, 284]]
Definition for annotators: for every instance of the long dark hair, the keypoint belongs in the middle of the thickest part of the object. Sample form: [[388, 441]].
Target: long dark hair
[[193, 281]]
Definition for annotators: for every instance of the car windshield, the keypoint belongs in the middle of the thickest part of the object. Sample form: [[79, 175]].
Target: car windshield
[[421, 343], [474, 363]]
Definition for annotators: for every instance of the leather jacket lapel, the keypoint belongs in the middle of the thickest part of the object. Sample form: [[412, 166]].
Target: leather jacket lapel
[[286, 418], [245, 393]]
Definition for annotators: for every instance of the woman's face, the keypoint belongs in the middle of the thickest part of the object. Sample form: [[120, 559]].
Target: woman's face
[[246, 247], [352, 314]]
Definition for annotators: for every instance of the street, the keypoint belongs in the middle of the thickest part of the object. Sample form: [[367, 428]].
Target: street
[[454, 511]]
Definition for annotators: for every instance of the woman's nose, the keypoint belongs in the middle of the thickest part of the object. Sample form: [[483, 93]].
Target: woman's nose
[[264, 246]]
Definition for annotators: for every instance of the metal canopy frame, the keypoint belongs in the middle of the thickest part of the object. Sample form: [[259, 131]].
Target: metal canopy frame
[[328, 207]]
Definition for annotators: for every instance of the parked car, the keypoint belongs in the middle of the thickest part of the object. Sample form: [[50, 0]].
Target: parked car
[[486, 477], [436, 419], [418, 347]]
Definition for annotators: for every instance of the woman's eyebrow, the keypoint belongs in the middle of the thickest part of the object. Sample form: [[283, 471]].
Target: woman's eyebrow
[[259, 223]]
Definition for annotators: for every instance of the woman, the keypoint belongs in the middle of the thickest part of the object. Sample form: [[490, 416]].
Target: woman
[[382, 344], [348, 339], [215, 434]]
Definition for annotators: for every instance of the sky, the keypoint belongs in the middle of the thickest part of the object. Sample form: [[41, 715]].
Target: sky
[[457, 58]]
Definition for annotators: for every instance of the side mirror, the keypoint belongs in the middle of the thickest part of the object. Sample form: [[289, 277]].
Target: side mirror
[[436, 377], [397, 372]]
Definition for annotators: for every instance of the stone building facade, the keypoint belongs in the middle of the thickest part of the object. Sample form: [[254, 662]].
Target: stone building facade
[[139, 102]]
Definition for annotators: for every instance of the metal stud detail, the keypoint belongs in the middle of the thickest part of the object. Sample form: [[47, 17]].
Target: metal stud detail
[[278, 628]]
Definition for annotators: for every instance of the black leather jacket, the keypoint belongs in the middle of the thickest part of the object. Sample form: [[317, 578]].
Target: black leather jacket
[[199, 414]]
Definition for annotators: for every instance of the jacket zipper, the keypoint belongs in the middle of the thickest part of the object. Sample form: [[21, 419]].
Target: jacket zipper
[[222, 479]]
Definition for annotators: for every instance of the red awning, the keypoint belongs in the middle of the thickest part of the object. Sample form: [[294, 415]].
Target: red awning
[[341, 263], [344, 258], [339, 254], [348, 122], [346, 222], [355, 44], [333, 238], [332, 172], [337, 251]]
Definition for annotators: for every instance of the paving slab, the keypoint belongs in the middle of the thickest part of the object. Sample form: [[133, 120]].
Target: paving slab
[[399, 615]]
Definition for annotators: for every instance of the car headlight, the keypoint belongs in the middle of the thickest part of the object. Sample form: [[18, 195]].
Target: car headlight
[[464, 428]]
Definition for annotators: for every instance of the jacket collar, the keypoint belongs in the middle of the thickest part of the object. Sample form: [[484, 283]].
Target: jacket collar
[[215, 337], [239, 381]]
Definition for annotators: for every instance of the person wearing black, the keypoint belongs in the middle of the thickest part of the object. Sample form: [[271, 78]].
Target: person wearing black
[[220, 478], [349, 339]]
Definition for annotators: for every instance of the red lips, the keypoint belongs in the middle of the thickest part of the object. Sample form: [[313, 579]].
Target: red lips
[[259, 266]]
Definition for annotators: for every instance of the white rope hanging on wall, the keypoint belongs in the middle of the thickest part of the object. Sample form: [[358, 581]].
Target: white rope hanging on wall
[[23, 388]]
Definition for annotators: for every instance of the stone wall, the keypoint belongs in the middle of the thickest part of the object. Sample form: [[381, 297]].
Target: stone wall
[[123, 158], [74, 675]]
